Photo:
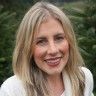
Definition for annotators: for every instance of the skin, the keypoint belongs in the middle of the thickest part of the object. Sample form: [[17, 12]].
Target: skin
[[51, 53]]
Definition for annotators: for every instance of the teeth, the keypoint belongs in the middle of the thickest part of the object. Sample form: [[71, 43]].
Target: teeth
[[53, 61], [49, 61]]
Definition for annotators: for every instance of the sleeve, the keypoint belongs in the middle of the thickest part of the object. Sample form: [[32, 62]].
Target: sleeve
[[92, 94], [3, 93], [88, 91], [12, 87]]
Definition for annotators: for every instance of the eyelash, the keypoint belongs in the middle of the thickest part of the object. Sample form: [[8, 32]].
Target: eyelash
[[44, 42], [59, 38], [41, 42]]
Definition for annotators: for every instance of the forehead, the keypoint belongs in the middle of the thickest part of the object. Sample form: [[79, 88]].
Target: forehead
[[50, 24]]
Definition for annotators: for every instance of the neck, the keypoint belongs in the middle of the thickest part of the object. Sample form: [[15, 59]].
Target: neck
[[55, 83], [54, 78]]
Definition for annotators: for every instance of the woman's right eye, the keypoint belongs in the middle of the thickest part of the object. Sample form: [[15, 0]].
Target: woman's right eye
[[41, 42]]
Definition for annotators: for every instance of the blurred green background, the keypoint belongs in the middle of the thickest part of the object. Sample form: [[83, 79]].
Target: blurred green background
[[82, 14]]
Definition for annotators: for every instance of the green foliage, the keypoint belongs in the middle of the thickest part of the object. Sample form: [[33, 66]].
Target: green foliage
[[94, 94], [90, 25], [84, 20], [7, 26], [7, 29], [11, 13]]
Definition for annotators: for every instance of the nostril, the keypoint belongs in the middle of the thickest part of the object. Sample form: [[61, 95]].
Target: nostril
[[53, 50]]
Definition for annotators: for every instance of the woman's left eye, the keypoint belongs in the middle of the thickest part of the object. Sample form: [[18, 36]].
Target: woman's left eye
[[59, 38]]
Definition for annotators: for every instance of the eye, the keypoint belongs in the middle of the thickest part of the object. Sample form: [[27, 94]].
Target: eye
[[41, 42], [59, 38]]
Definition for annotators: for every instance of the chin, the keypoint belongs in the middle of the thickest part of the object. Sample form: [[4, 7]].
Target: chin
[[54, 72]]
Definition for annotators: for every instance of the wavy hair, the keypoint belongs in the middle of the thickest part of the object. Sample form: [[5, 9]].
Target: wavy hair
[[23, 62]]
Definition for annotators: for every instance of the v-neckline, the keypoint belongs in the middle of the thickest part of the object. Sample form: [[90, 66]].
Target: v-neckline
[[63, 94]]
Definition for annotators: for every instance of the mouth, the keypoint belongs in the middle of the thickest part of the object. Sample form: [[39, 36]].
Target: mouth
[[53, 61]]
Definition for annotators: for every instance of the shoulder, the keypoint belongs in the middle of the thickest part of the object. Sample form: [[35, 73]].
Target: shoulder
[[88, 81], [11, 82], [88, 74], [12, 86], [10, 79]]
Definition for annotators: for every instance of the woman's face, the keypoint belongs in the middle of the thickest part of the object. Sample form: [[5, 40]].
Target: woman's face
[[51, 51]]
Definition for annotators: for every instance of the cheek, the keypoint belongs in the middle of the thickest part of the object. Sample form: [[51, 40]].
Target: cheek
[[39, 52], [65, 46]]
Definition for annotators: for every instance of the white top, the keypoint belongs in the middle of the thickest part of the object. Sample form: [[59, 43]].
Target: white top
[[14, 87], [63, 94]]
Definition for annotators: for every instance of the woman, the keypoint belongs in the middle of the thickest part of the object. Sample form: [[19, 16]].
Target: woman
[[46, 59]]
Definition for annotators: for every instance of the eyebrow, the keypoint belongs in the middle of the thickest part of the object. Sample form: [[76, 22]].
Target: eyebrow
[[59, 34], [40, 38], [43, 37]]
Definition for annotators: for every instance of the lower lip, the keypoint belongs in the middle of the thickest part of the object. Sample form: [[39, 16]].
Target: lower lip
[[53, 64]]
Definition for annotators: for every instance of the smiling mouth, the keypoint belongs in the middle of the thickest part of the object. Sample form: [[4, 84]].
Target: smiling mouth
[[53, 61]]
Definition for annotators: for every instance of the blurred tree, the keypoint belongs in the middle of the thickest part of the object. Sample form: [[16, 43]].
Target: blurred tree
[[14, 4], [7, 28], [90, 26], [11, 13], [18, 6], [84, 20]]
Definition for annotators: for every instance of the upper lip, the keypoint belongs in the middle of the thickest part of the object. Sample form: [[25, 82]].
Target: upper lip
[[53, 58]]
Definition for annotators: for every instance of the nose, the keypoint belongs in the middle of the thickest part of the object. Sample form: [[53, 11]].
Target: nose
[[52, 49]]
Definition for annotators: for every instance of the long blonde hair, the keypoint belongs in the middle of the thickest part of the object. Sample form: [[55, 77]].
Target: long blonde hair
[[23, 62]]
